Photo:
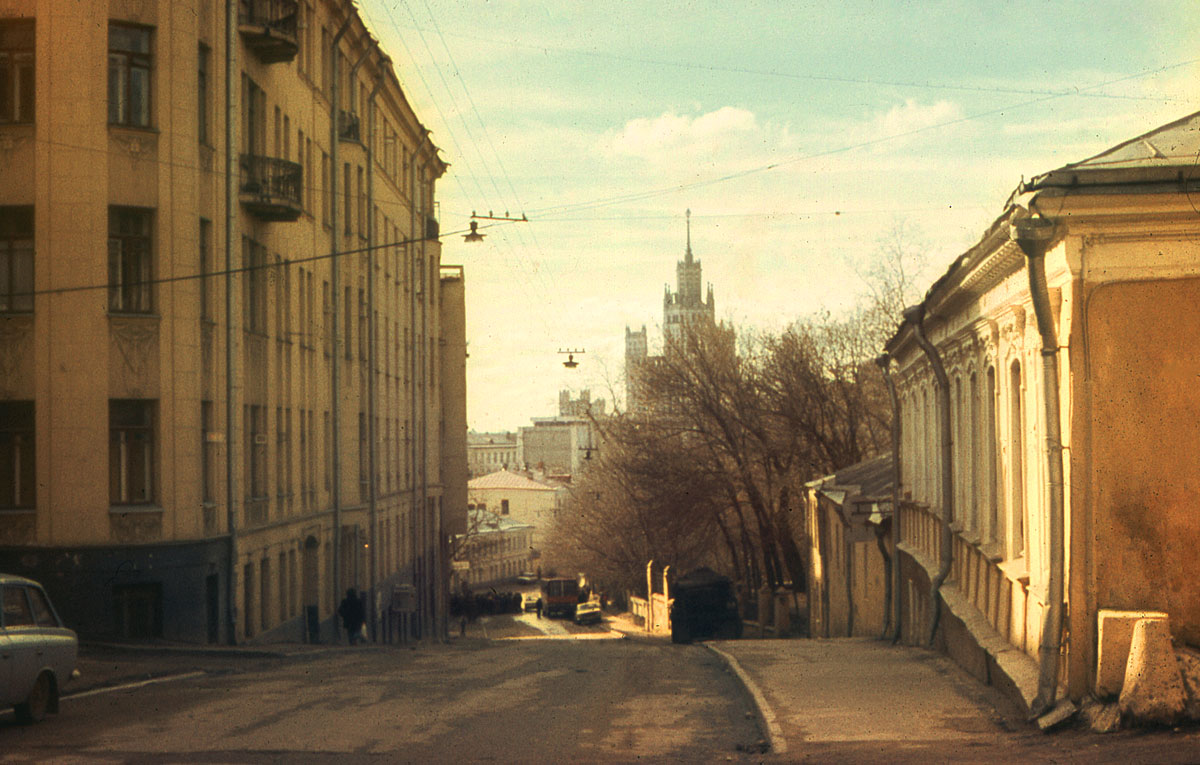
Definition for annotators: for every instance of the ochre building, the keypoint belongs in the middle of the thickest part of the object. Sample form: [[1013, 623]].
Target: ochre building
[[231, 361]]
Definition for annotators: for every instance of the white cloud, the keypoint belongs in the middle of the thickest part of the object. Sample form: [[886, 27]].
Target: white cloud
[[669, 133]]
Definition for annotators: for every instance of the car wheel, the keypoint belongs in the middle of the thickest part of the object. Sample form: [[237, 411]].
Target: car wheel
[[34, 708]]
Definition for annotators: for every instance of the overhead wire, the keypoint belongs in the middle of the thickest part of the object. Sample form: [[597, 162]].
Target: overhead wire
[[266, 266], [511, 259], [840, 79]]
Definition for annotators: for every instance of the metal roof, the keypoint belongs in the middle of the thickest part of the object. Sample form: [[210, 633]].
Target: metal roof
[[504, 479]]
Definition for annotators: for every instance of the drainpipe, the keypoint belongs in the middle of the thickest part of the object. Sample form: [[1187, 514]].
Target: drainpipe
[[1033, 236], [915, 316], [231, 181], [372, 435], [335, 289], [884, 361]]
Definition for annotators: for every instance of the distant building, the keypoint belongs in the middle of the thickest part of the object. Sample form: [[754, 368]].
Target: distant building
[[683, 308], [519, 498], [561, 446], [489, 452], [495, 548]]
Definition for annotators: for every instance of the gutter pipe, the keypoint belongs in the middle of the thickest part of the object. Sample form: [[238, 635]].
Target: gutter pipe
[[231, 10], [372, 435], [915, 316], [893, 634], [1033, 235], [335, 289]]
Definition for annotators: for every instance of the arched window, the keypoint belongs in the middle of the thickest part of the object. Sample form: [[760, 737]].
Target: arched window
[[990, 472], [1016, 516]]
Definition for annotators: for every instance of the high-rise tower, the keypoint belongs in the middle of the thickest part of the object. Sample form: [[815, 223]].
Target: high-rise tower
[[685, 306]]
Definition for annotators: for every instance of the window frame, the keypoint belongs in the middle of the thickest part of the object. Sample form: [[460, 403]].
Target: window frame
[[123, 436], [18, 80], [124, 65], [18, 455], [17, 227], [134, 256]]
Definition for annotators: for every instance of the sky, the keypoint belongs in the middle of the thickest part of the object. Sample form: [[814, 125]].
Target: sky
[[799, 134]]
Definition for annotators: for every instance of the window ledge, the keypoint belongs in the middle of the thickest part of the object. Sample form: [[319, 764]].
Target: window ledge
[[132, 315], [17, 510], [147, 129], [123, 509], [1017, 570]]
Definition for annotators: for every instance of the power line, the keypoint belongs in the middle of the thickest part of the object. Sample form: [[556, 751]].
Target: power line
[[282, 263], [840, 79], [549, 212]]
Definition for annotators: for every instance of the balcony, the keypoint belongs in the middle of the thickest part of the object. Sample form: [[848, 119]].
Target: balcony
[[270, 188], [348, 126], [268, 27]]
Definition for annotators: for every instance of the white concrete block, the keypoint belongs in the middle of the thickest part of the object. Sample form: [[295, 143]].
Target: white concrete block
[[1114, 633], [1153, 689]]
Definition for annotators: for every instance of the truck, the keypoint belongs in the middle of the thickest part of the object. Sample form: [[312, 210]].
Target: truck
[[704, 607], [559, 597]]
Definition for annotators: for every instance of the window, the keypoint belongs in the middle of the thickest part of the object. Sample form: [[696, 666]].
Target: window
[[16, 71], [1016, 456], [206, 269], [254, 306], [202, 93], [129, 256], [128, 75], [17, 612], [208, 454], [131, 452], [18, 479], [16, 259], [504, 507]]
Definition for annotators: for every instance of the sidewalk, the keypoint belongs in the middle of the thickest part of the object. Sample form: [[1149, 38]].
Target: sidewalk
[[863, 700]]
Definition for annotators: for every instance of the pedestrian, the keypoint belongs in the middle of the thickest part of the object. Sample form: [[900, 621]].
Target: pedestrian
[[353, 615], [462, 625], [539, 608]]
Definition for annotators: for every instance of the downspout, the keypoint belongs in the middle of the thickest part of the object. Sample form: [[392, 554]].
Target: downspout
[[231, 9], [1033, 236], [335, 289], [915, 316], [885, 361], [372, 435]]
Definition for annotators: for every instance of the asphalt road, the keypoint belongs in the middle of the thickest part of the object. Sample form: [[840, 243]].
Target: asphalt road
[[473, 700]]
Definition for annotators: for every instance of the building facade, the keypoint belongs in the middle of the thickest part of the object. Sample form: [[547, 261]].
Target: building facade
[[494, 549], [1072, 400], [520, 499], [561, 446], [489, 452], [229, 349], [683, 308]]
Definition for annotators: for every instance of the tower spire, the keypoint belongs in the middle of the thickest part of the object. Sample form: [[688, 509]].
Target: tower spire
[[688, 255]]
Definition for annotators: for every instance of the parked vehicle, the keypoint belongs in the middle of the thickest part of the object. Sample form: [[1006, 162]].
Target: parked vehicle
[[530, 602], [587, 613], [704, 607], [559, 597], [526, 577], [37, 652]]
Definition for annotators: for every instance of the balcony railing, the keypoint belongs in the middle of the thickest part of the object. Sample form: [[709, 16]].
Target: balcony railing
[[270, 187], [348, 126], [268, 28]]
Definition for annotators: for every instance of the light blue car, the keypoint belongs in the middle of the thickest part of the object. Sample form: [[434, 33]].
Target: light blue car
[[37, 653]]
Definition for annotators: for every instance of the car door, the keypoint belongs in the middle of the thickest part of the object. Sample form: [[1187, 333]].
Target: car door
[[23, 642], [6, 663], [58, 644]]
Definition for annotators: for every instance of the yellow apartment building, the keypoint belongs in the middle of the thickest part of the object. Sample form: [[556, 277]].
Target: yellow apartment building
[[231, 361]]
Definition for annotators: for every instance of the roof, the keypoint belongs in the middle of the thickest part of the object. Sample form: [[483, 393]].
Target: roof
[[1163, 160], [504, 479], [870, 478], [483, 521]]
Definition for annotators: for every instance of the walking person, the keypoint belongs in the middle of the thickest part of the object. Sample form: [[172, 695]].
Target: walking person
[[353, 614], [539, 608]]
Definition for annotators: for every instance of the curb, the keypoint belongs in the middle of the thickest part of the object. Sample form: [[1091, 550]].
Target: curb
[[213, 651], [766, 716]]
